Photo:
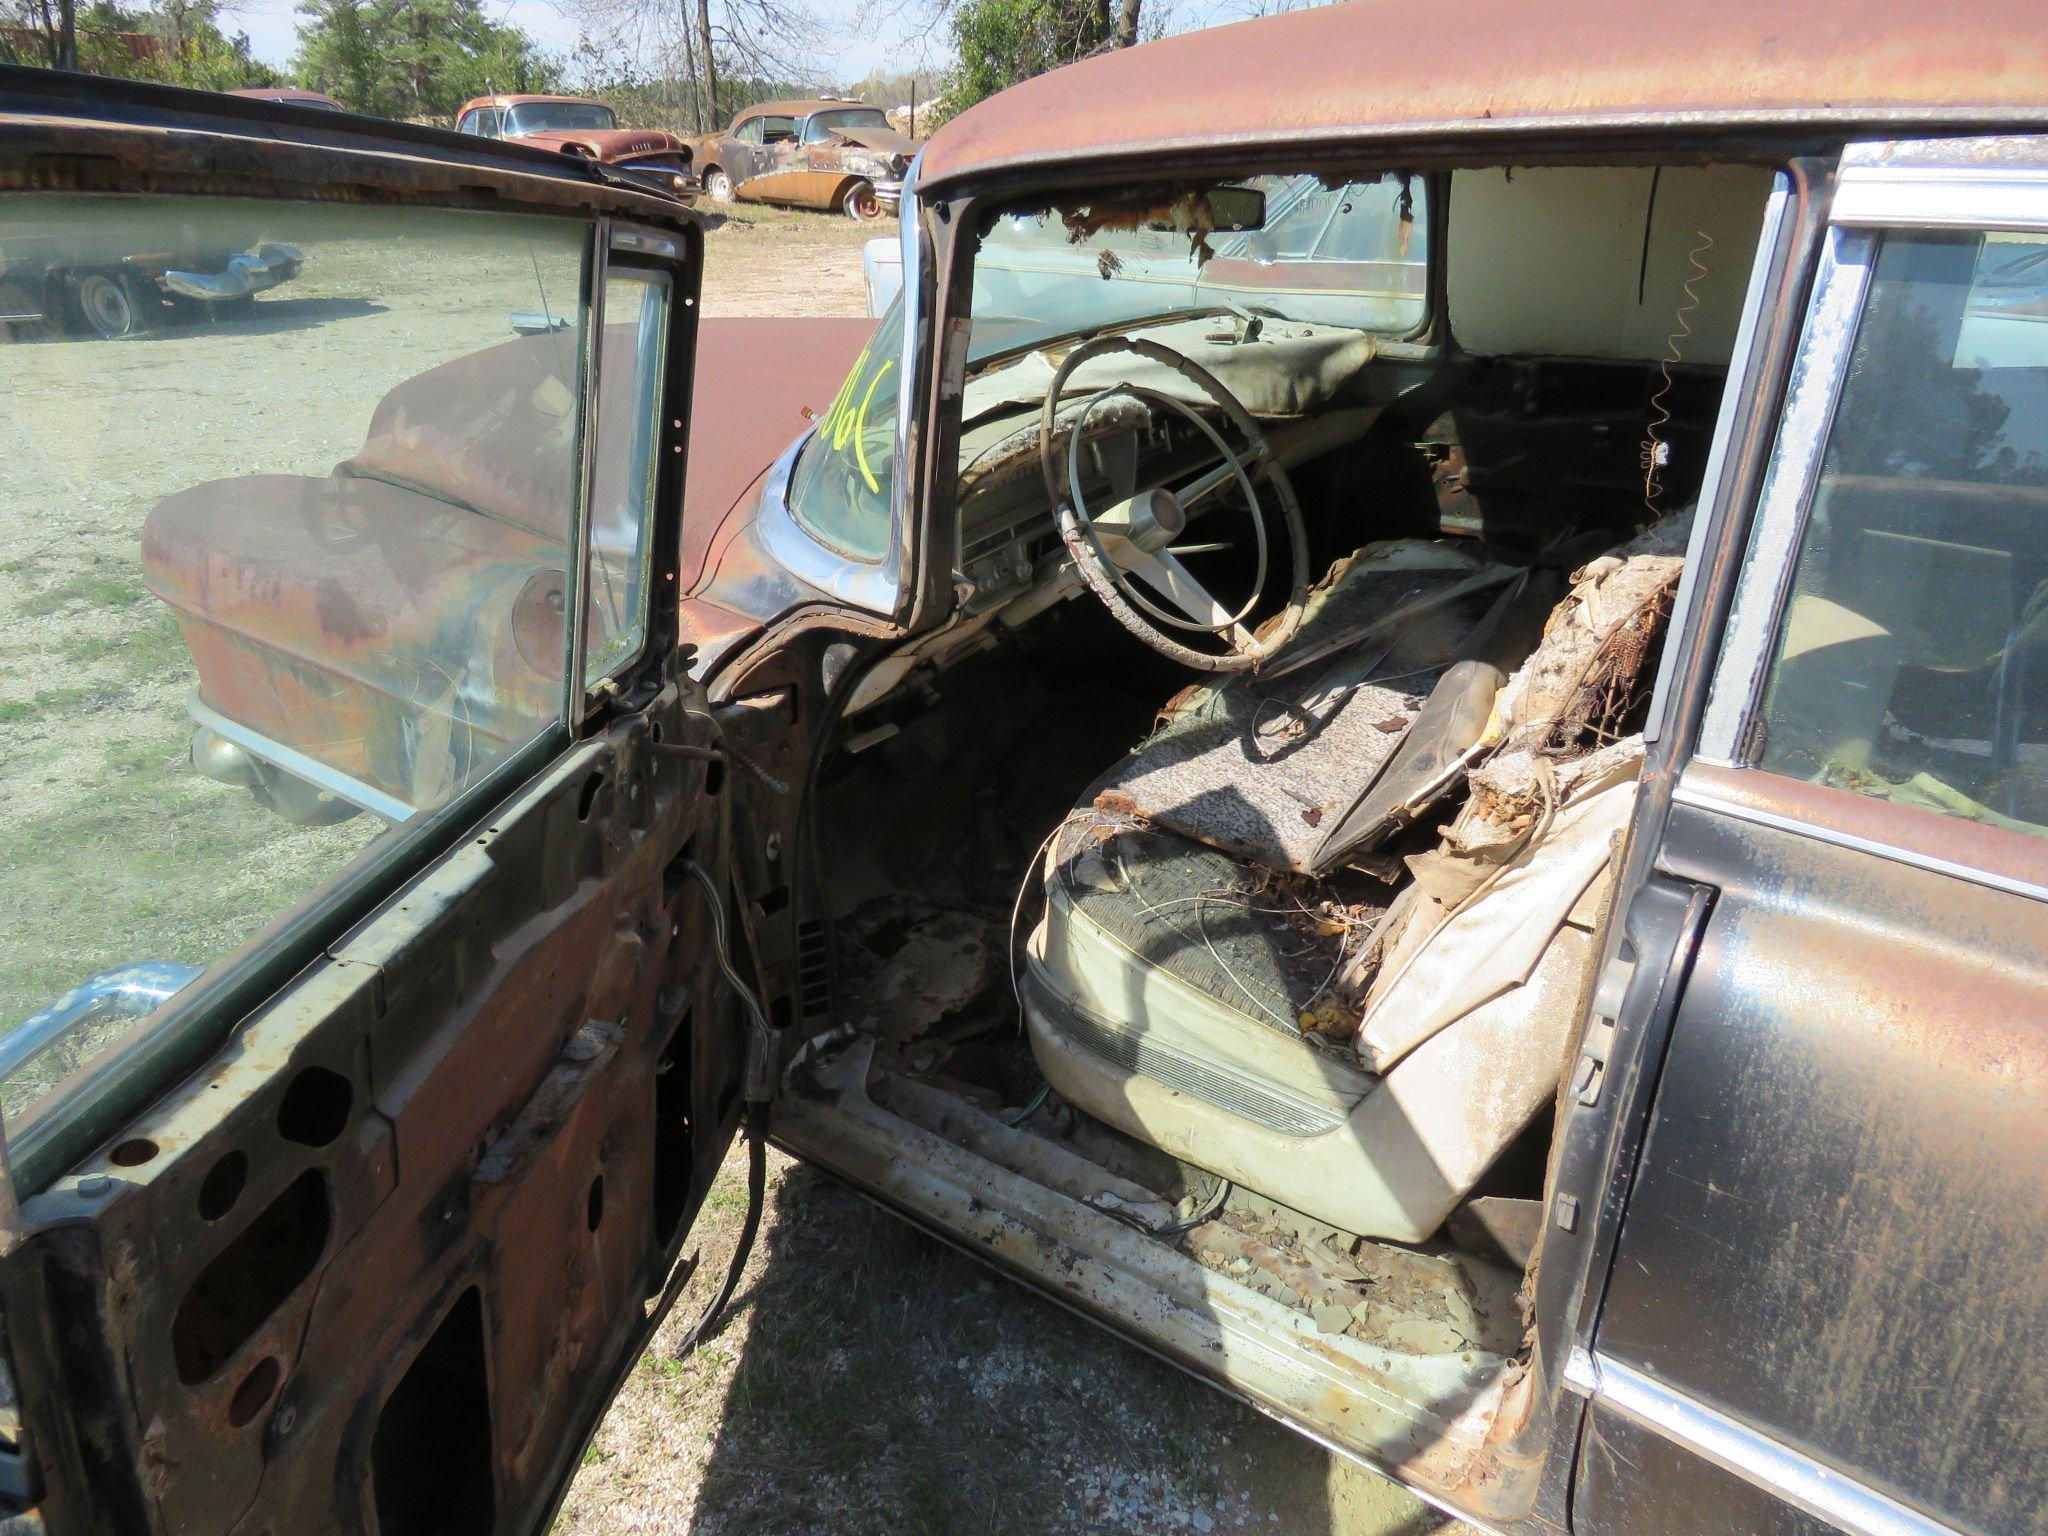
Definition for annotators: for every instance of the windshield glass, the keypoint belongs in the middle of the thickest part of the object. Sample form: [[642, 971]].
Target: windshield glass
[[823, 124], [845, 477], [1351, 254], [559, 117]]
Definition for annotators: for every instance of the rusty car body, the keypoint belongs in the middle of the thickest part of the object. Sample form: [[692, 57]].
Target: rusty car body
[[826, 154], [576, 125], [1552, 1005]]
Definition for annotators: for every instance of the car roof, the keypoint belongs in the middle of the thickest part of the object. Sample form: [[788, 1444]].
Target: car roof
[[519, 98], [1380, 71], [796, 108]]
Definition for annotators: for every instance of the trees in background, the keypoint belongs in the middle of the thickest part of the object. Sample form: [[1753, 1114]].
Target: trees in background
[[696, 62], [1000, 42], [177, 42], [414, 58]]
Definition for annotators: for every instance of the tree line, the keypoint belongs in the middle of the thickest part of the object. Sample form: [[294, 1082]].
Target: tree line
[[681, 64]]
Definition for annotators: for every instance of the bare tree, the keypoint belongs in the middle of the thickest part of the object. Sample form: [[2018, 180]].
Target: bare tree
[[692, 50]]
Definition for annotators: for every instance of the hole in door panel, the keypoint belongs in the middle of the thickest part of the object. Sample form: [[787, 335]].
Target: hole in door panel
[[672, 1133], [430, 1458], [315, 1107], [250, 1278]]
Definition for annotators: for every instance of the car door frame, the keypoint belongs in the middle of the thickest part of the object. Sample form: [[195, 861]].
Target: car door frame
[[1739, 570], [572, 884]]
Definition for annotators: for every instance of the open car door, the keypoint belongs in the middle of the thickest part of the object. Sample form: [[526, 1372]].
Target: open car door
[[343, 467]]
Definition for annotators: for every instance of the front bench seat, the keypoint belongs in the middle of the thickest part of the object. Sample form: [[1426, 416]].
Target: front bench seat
[[1160, 997]]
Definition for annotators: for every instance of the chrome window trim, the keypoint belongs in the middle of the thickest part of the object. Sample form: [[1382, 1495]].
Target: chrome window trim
[[639, 240], [575, 691], [1806, 1484], [909, 233], [1709, 509], [1819, 370], [1913, 198], [1689, 794]]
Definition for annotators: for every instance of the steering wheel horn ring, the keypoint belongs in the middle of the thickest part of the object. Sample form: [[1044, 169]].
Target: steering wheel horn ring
[[1131, 538]]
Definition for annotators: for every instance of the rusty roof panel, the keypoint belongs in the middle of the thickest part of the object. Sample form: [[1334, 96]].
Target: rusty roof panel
[[1379, 69]]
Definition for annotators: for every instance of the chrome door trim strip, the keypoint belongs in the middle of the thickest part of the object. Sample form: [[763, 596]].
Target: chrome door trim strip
[[1842, 1501], [1686, 794]]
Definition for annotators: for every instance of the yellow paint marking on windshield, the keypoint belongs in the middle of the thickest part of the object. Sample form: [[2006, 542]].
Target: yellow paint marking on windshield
[[860, 440], [844, 423]]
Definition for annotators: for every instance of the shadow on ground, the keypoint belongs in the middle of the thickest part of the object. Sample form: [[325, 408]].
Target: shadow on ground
[[872, 1379]]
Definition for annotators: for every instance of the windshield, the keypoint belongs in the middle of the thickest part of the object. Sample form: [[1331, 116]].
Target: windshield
[[558, 117], [822, 125], [1351, 254], [843, 486]]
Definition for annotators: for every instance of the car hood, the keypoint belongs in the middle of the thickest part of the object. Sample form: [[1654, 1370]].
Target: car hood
[[605, 143], [755, 374], [885, 141]]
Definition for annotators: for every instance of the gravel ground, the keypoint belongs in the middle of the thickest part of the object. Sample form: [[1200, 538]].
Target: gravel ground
[[871, 1379]]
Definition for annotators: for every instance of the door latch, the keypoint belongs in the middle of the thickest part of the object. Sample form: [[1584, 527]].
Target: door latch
[[1589, 1075]]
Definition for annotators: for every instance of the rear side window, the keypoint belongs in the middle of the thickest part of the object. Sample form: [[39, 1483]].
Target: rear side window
[[286, 531], [1912, 660]]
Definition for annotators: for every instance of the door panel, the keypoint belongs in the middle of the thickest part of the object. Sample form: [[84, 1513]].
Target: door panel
[[1835, 1238], [1828, 1280], [427, 1181], [359, 1233], [1641, 1482]]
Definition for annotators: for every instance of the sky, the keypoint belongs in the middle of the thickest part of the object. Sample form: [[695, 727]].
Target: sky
[[273, 35]]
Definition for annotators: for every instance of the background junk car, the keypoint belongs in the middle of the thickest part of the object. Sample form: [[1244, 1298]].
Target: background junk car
[[576, 125], [808, 154], [1452, 841]]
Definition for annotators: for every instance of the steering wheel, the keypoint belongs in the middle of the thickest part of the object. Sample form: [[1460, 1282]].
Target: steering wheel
[[1134, 537]]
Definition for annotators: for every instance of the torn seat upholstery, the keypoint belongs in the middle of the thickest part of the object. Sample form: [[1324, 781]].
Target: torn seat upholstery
[[1361, 1050]]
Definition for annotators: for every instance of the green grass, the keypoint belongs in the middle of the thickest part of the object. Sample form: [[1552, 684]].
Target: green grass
[[94, 589]]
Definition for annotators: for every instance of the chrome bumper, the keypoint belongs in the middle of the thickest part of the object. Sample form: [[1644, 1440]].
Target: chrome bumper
[[267, 266]]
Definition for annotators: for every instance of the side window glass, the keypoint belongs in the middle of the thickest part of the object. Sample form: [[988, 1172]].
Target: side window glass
[[1373, 221], [1912, 662], [748, 132], [629, 409], [285, 540]]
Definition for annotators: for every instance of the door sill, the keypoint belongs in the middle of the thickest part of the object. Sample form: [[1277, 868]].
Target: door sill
[[1422, 1419]]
